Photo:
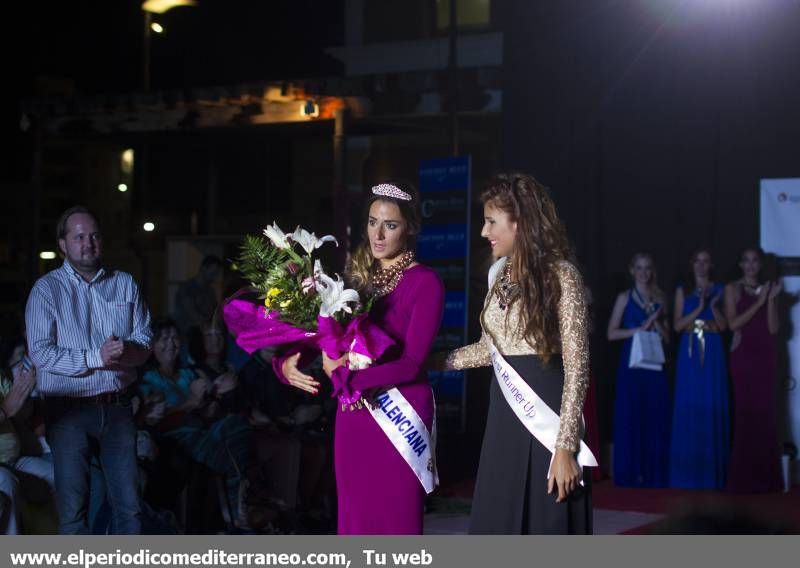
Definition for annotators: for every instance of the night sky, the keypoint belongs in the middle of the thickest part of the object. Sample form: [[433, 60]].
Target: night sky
[[96, 46]]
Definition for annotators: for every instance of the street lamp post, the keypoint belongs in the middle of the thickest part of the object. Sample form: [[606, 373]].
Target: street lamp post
[[149, 8], [148, 20]]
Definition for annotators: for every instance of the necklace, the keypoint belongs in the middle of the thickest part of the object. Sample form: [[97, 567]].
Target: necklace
[[384, 280], [750, 289], [506, 290], [648, 305]]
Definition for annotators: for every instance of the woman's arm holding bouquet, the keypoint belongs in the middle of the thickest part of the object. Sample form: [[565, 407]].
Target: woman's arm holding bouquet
[[423, 326], [285, 280]]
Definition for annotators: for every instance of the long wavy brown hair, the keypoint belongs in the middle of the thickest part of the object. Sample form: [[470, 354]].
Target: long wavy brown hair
[[358, 270], [540, 243]]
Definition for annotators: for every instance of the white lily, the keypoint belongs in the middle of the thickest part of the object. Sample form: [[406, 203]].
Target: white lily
[[278, 237], [308, 285], [333, 295], [309, 241], [357, 361]]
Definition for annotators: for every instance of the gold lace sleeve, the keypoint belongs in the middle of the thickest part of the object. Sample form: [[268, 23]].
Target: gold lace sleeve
[[468, 357], [573, 317]]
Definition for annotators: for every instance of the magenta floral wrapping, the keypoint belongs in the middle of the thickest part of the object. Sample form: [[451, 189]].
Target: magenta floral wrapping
[[255, 327]]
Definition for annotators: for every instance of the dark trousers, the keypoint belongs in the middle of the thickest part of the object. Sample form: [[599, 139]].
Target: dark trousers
[[74, 427]]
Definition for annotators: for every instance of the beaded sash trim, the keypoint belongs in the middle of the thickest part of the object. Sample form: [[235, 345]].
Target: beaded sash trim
[[360, 404]]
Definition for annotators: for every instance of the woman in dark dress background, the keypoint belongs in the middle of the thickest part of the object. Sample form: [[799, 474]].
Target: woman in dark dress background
[[752, 313]]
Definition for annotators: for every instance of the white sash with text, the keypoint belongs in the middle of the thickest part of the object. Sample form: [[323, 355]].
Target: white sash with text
[[408, 434], [540, 420]]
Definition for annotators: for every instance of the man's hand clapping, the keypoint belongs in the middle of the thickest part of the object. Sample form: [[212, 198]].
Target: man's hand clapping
[[112, 350]]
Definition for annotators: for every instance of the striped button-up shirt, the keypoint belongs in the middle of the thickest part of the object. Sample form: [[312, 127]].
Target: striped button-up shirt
[[68, 319]]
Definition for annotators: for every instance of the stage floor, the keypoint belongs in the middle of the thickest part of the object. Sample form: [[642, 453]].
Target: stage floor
[[649, 511]]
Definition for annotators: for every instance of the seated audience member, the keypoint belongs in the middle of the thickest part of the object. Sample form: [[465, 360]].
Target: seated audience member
[[186, 409], [292, 441], [15, 466], [208, 349]]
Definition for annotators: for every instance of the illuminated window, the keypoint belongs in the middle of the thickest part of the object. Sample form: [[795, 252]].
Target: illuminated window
[[126, 162], [470, 14]]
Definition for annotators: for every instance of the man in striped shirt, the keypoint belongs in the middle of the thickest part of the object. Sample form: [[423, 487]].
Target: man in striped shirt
[[88, 329]]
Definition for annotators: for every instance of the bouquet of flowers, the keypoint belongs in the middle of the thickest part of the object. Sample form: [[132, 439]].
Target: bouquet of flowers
[[299, 302]]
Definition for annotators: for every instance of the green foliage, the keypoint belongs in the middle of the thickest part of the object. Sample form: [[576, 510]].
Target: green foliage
[[257, 258], [278, 274]]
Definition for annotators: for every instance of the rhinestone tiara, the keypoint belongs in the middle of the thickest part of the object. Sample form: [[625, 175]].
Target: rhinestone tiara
[[389, 190]]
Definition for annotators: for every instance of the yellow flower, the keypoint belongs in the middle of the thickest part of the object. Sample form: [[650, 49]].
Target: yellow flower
[[285, 303], [266, 302], [273, 292]]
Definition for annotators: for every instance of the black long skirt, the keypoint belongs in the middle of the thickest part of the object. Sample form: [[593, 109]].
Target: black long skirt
[[511, 488]]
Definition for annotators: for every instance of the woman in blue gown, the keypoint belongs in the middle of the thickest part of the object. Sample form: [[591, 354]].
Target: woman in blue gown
[[701, 417], [642, 406]]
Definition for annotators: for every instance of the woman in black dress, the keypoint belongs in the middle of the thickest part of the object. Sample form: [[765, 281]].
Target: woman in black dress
[[534, 325]]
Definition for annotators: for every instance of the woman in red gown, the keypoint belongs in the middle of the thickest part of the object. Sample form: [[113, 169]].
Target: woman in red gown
[[751, 309]]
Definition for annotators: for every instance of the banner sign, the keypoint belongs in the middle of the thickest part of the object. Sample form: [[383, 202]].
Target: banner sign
[[444, 186], [780, 235]]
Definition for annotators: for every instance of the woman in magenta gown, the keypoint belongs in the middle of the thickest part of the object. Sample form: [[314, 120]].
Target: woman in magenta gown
[[751, 309], [377, 491]]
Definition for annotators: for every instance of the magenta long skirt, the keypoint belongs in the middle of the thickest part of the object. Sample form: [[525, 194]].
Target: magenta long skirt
[[377, 492]]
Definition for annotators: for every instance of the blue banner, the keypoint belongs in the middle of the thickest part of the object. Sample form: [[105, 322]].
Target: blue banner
[[455, 306], [445, 173], [442, 242], [444, 186]]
